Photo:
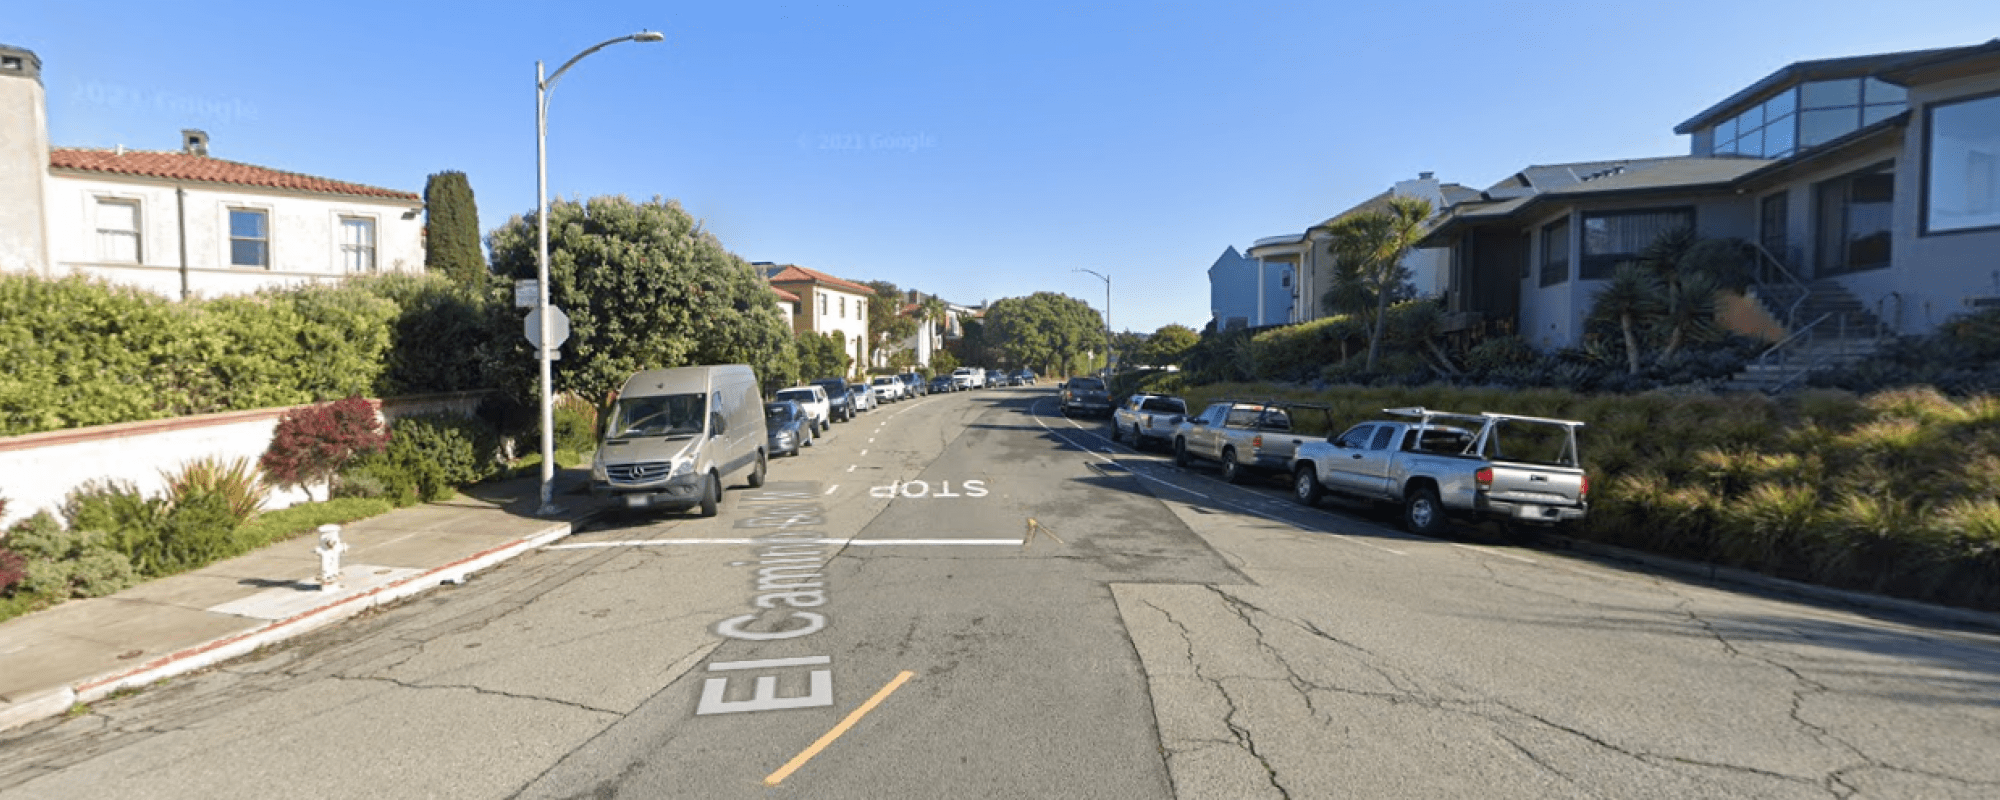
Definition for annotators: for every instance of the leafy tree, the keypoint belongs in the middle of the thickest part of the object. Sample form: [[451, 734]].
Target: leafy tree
[[975, 347], [442, 332], [313, 443], [451, 230], [1053, 332], [821, 355], [943, 362], [645, 287], [888, 327], [1368, 248], [1168, 346]]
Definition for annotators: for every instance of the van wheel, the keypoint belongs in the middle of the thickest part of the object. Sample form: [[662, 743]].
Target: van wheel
[[763, 464], [1423, 513], [1306, 486], [1231, 471], [711, 497]]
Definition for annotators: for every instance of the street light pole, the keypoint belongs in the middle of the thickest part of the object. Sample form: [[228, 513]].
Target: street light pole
[[1107, 317], [543, 86]]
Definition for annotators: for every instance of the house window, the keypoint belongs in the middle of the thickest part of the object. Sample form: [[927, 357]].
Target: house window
[[1962, 166], [249, 238], [1854, 216], [1831, 109], [822, 304], [357, 244], [1555, 253], [1612, 238], [843, 308], [118, 231], [1772, 217]]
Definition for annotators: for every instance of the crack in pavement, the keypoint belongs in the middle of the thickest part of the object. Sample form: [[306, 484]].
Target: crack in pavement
[[484, 691], [1245, 741]]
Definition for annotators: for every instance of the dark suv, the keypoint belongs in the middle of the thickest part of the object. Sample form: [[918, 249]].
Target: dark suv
[[837, 397], [1085, 395]]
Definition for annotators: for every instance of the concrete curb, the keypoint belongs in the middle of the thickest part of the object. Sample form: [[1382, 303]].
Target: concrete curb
[[55, 702], [1743, 577]]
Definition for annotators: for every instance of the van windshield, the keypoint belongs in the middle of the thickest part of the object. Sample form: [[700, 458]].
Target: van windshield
[[660, 415]]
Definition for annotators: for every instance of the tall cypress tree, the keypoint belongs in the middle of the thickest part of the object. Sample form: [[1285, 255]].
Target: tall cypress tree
[[452, 229]]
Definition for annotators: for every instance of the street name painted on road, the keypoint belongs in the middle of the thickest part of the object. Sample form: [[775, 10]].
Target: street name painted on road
[[788, 563]]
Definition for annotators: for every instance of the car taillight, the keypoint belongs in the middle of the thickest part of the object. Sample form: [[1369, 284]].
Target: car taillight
[[1257, 442], [1484, 477], [1583, 491]]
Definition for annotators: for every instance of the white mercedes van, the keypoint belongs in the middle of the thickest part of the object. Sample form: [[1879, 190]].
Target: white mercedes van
[[675, 437]]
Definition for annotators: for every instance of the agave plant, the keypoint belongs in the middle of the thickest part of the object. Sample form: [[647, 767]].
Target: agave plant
[[237, 482]]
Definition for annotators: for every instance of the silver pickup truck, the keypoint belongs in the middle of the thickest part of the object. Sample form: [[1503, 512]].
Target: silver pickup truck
[[1249, 436], [1439, 465]]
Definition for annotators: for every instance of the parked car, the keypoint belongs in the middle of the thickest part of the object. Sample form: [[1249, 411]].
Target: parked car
[[1026, 376], [838, 398], [1437, 465], [863, 396], [1085, 396], [914, 384], [889, 388], [941, 385], [968, 378], [677, 436], [1147, 418], [790, 428], [1249, 436], [815, 402]]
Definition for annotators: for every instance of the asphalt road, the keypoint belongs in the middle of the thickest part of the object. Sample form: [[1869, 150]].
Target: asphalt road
[[870, 625]]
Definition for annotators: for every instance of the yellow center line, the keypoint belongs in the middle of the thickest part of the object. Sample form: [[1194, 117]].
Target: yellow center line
[[800, 760]]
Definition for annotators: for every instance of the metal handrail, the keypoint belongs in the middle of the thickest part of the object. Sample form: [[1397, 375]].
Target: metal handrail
[[1792, 312]]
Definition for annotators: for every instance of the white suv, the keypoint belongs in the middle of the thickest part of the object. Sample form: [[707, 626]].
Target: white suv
[[968, 378], [890, 388], [814, 400]]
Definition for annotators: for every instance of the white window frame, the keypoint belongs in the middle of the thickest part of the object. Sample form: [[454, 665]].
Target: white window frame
[[343, 248], [137, 233], [229, 236]]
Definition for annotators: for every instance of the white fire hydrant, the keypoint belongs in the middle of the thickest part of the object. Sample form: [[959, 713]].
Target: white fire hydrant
[[329, 550]]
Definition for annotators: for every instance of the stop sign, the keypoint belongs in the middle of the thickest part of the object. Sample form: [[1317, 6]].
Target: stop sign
[[558, 327]]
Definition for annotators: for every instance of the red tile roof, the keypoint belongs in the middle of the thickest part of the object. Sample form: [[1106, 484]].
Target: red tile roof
[[792, 273], [784, 295], [182, 166]]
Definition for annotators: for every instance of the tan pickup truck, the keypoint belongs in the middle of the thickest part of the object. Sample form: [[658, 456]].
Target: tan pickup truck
[[1249, 437]]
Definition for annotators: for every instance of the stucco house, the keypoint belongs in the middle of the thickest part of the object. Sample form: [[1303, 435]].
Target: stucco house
[[1244, 292], [1870, 186], [182, 223], [1308, 255], [826, 305]]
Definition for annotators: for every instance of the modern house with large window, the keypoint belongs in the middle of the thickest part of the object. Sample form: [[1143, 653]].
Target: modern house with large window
[[1870, 186], [182, 223]]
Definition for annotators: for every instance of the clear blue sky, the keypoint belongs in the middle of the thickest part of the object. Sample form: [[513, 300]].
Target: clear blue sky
[[975, 151]]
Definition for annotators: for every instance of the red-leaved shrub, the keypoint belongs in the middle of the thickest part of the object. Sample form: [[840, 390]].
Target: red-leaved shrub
[[313, 443]]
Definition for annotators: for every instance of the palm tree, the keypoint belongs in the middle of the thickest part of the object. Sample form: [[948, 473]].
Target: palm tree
[[1632, 294], [1372, 244]]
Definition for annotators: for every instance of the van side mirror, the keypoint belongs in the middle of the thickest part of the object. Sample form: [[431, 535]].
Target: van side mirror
[[716, 425]]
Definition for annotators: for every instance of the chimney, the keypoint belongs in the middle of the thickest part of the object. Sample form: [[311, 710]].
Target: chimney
[[194, 142], [1424, 176], [24, 163]]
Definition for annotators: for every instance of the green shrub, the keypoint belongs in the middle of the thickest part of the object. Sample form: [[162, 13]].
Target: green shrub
[[67, 563], [439, 452], [195, 532], [575, 424], [128, 519]]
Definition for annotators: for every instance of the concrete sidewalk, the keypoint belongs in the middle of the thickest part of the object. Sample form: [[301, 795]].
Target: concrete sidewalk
[[84, 650]]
